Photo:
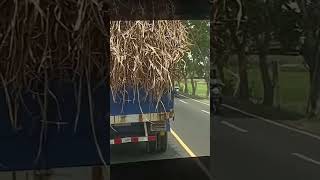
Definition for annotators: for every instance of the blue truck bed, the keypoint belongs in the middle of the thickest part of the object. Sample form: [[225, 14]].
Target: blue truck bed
[[63, 147], [147, 106], [136, 129]]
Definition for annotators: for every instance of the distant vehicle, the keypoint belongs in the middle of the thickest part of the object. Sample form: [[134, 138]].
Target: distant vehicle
[[176, 90], [216, 95], [216, 99]]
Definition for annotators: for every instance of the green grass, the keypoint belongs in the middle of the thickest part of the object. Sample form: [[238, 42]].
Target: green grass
[[201, 90], [294, 91], [294, 88]]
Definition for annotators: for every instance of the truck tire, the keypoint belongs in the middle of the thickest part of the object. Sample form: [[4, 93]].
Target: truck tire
[[151, 146], [162, 142]]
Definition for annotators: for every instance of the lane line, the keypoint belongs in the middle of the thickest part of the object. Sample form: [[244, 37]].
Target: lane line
[[273, 122], [264, 119], [182, 143], [301, 156], [205, 111], [189, 151], [234, 126], [195, 100], [183, 101]]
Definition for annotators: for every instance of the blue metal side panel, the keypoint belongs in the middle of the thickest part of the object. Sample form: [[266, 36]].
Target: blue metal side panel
[[63, 147], [133, 129], [131, 106]]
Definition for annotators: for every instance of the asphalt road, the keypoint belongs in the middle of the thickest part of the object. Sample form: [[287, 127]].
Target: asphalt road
[[191, 125], [249, 148]]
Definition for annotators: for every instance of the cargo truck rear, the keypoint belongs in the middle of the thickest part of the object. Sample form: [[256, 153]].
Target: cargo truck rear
[[136, 118]]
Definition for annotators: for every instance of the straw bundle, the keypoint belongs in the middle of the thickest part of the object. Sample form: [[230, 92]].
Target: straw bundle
[[142, 9], [145, 55], [45, 41]]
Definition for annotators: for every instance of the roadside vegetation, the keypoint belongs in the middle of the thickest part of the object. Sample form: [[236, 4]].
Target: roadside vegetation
[[201, 89], [195, 70], [267, 54]]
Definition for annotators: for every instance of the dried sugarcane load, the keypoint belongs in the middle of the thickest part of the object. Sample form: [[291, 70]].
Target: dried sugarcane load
[[144, 60], [52, 60], [52, 53]]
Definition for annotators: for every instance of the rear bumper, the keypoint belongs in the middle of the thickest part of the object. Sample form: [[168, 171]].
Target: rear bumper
[[138, 132], [132, 139]]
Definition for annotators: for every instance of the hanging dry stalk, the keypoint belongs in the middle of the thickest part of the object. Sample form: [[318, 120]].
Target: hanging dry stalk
[[46, 36], [145, 55], [47, 41]]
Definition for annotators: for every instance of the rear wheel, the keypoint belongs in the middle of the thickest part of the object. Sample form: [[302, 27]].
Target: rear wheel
[[162, 141], [151, 146]]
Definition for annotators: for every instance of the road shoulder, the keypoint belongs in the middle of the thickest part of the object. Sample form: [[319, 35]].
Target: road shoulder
[[292, 120]]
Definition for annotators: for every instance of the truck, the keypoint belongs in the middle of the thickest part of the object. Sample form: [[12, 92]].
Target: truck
[[139, 119]]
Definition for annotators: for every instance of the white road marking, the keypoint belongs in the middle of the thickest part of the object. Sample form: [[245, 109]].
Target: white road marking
[[234, 126], [194, 100], [263, 119], [273, 122], [306, 158], [183, 101], [205, 111]]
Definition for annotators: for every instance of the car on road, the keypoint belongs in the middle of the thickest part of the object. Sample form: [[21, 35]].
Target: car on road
[[176, 90]]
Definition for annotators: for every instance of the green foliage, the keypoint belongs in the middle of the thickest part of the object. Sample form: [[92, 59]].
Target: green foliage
[[198, 60], [201, 91]]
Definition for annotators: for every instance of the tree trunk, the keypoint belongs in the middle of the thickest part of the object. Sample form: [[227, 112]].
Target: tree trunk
[[242, 65], [311, 53], [314, 112], [186, 85], [193, 86], [311, 50], [268, 93], [243, 74], [208, 88], [220, 68], [276, 83]]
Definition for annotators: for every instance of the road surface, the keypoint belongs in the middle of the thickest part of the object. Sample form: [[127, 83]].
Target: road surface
[[191, 136], [250, 148]]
